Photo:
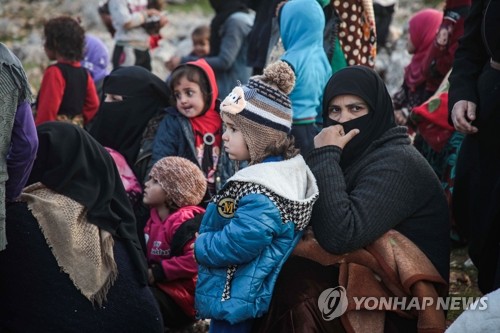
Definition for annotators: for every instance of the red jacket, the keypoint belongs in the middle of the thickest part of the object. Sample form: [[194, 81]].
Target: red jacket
[[52, 91], [180, 271]]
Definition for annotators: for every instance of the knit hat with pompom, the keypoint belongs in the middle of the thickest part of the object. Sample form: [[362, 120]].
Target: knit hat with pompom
[[181, 179], [262, 109]]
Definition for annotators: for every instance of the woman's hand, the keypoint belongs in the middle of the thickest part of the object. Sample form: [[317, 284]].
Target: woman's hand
[[172, 63], [334, 136], [462, 115]]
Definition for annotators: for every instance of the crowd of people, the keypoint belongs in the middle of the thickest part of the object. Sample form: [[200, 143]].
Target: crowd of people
[[240, 189]]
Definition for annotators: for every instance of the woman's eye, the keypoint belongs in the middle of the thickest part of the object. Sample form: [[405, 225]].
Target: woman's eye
[[357, 108], [333, 109], [190, 93], [177, 95]]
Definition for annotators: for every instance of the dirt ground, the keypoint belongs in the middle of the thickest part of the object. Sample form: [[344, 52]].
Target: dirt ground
[[463, 279]]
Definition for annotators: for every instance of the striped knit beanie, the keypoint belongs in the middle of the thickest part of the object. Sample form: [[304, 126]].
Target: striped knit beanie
[[262, 109], [181, 179]]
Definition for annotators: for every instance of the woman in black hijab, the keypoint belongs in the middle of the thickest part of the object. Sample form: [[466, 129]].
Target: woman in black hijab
[[371, 180], [74, 262], [132, 97]]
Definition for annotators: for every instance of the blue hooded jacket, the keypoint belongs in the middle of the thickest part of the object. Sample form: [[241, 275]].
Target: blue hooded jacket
[[247, 233], [301, 25]]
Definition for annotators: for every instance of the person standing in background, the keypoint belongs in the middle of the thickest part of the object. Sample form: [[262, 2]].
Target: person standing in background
[[302, 23], [96, 60], [384, 11], [131, 38], [229, 29], [18, 139], [473, 107], [67, 92]]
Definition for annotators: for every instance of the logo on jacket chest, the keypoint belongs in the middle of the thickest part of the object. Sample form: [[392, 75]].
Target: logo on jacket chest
[[226, 207]]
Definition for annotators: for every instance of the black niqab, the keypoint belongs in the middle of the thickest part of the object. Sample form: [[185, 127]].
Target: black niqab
[[120, 125], [70, 162], [365, 83]]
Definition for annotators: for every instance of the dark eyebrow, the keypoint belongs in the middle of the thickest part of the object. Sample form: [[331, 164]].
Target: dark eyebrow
[[349, 105], [357, 104]]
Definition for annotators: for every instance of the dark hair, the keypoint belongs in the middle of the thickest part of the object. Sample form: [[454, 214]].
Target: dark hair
[[65, 36], [155, 4], [201, 31], [284, 147], [193, 74]]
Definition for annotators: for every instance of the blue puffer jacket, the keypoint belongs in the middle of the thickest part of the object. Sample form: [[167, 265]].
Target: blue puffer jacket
[[247, 233]]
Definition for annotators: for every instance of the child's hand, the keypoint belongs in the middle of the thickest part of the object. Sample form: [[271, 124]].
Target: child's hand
[[172, 63], [401, 117]]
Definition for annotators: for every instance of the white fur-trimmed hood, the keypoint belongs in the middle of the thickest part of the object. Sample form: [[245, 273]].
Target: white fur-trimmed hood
[[291, 179]]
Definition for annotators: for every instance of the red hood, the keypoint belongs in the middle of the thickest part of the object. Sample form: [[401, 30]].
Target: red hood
[[203, 65]]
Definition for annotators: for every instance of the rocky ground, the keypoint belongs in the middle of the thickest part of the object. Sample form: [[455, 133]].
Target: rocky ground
[[21, 22], [20, 29]]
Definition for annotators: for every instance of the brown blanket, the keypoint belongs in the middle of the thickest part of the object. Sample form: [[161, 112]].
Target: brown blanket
[[392, 266]]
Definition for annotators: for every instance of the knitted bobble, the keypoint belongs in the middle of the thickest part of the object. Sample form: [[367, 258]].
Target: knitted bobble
[[281, 75]]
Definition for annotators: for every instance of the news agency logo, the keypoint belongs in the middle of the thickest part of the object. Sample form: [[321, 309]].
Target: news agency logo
[[333, 303]]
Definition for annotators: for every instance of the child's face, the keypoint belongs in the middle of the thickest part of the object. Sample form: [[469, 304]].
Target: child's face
[[154, 195], [234, 142], [189, 98], [201, 46]]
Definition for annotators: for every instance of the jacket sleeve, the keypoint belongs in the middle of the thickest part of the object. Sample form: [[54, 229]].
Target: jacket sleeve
[[234, 34], [180, 267], [166, 142], [91, 104], [254, 225], [470, 58], [50, 95], [22, 152], [342, 221]]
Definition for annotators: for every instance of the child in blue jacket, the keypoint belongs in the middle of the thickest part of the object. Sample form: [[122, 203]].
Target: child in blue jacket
[[252, 225]]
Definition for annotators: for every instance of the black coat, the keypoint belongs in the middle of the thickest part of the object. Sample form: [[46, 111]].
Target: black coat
[[477, 182], [36, 296]]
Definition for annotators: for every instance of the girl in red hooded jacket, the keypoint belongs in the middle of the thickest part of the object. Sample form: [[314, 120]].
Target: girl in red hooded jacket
[[174, 189]]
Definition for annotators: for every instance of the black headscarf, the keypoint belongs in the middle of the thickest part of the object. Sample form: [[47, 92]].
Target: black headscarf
[[70, 162], [365, 83], [223, 9], [120, 125]]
